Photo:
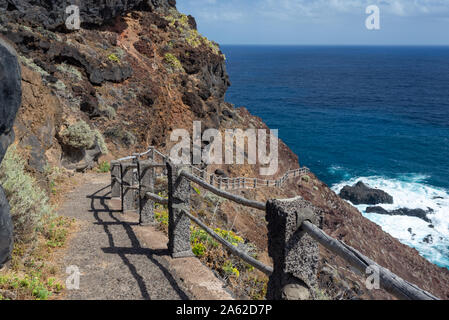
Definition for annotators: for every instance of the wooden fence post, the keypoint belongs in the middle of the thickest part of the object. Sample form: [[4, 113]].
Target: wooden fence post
[[178, 223], [146, 205], [115, 184], [295, 254], [128, 194]]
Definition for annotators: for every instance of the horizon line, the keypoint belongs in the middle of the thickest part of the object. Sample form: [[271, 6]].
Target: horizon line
[[334, 45]]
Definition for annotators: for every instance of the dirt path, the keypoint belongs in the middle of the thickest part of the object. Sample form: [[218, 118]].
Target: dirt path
[[118, 259]]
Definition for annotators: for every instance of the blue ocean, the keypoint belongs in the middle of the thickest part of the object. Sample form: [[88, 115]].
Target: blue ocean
[[374, 114]]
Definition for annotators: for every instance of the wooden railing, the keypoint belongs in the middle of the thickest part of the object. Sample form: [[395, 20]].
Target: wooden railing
[[293, 232]]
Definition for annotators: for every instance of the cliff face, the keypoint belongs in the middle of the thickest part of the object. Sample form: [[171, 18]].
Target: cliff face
[[136, 71], [10, 99]]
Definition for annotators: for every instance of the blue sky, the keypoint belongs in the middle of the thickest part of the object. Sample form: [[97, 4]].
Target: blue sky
[[333, 22]]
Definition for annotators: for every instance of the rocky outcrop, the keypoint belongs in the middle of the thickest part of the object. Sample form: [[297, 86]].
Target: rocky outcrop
[[362, 194], [10, 100], [52, 14], [419, 213], [136, 78]]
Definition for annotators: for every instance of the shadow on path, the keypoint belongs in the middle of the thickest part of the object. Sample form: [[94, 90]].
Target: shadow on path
[[98, 205]]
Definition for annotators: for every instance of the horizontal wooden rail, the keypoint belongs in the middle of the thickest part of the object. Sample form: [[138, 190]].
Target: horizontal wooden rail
[[242, 255], [224, 194], [279, 212], [388, 281], [156, 198]]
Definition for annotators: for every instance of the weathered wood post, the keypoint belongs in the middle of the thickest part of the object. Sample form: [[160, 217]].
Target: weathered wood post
[[178, 223], [128, 193], [295, 254], [146, 205], [115, 183]]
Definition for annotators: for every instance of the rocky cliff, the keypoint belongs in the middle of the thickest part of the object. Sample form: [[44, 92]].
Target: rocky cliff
[[135, 71], [10, 100]]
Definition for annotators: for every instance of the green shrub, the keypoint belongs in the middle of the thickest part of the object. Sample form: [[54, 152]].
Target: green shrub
[[173, 62], [79, 136], [101, 143], [198, 249], [230, 270], [104, 167], [113, 57], [29, 204], [122, 136], [108, 112]]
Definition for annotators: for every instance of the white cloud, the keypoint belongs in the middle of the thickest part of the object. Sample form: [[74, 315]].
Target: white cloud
[[231, 10]]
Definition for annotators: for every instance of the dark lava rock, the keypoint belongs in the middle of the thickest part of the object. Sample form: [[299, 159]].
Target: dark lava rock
[[428, 239], [419, 213], [6, 230], [10, 101], [362, 194], [52, 14], [220, 173]]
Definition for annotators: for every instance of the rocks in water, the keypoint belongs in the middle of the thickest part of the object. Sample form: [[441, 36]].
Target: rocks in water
[[362, 194], [428, 239], [10, 101], [419, 213]]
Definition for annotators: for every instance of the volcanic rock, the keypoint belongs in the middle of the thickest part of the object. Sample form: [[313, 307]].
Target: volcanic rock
[[10, 100], [419, 213], [362, 194]]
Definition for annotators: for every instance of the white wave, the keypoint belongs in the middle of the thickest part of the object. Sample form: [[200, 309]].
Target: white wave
[[409, 191]]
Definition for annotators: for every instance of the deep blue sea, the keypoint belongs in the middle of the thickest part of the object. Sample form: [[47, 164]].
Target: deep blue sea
[[376, 114]]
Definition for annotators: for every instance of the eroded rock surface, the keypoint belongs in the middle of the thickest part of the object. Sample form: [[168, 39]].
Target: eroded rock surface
[[419, 213], [10, 100], [360, 193]]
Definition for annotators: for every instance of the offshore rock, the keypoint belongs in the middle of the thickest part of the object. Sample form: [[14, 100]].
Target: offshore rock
[[360, 193]]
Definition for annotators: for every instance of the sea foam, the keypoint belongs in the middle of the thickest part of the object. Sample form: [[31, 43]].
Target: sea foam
[[410, 191]]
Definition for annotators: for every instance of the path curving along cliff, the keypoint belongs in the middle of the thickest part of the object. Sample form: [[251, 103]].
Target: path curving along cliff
[[120, 260], [134, 74]]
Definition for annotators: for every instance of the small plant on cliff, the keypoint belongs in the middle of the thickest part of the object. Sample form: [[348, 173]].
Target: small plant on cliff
[[192, 37], [173, 62], [101, 143], [79, 136], [113, 57], [104, 167]]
